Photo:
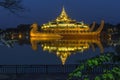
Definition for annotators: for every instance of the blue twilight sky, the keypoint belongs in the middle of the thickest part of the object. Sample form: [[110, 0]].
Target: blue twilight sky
[[42, 11]]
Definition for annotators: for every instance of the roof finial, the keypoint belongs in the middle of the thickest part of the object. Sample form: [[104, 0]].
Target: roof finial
[[63, 9], [63, 16], [63, 12]]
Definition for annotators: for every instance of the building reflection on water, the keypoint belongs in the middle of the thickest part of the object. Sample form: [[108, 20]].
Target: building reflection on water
[[63, 48]]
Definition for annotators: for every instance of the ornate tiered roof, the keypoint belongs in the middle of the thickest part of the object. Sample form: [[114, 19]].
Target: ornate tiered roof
[[63, 16], [64, 21]]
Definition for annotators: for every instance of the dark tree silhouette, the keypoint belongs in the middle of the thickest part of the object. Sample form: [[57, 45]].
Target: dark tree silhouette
[[12, 5]]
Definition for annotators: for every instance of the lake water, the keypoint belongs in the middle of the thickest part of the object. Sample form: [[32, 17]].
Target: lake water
[[67, 51]]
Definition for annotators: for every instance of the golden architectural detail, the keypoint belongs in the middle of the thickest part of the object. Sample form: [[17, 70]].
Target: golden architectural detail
[[64, 24], [35, 33], [63, 17]]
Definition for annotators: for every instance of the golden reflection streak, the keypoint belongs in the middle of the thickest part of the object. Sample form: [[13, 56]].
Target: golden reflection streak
[[64, 47]]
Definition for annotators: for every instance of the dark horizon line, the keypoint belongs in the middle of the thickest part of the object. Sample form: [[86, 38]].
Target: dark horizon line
[[107, 23]]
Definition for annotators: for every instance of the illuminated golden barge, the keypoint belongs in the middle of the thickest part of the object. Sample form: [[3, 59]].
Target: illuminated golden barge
[[63, 25]]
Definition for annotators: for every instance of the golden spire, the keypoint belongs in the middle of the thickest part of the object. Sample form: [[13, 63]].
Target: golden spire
[[63, 13], [63, 16]]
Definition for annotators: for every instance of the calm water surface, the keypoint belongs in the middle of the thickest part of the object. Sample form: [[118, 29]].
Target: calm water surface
[[24, 52]]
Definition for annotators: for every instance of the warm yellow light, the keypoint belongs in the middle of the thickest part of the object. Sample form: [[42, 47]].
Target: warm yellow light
[[20, 36]]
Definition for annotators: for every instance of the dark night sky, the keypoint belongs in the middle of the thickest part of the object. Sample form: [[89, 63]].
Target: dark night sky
[[42, 11]]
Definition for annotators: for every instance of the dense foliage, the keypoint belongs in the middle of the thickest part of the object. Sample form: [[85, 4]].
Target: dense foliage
[[95, 62], [113, 74]]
